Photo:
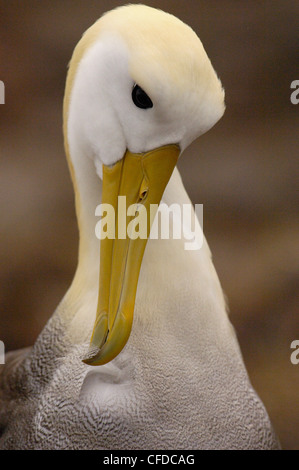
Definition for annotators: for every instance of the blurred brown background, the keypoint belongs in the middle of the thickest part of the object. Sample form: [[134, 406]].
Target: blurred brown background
[[243, 171]]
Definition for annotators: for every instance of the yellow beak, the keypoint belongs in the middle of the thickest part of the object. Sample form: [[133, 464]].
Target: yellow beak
[[142, 179]]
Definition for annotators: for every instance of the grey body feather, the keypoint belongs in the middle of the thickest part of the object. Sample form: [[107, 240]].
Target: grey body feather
[[154, 395]]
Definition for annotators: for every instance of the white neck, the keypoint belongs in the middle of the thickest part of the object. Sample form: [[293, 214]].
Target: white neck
[[88, 197]]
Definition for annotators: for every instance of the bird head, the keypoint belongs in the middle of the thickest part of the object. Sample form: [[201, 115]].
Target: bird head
[[140, 89]]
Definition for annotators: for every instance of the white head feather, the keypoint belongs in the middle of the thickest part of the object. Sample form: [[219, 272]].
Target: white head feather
[[139, 44]]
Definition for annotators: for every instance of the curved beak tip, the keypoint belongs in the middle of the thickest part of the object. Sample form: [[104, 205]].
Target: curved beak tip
[[91, 355]]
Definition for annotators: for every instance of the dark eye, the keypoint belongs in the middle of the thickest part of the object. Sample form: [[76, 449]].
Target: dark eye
[[140, 98]]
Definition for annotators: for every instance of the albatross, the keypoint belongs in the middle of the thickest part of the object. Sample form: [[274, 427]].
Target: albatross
[[140, 352]]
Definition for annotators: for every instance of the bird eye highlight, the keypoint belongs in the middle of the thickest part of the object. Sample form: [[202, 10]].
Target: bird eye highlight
[[140, 98]]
